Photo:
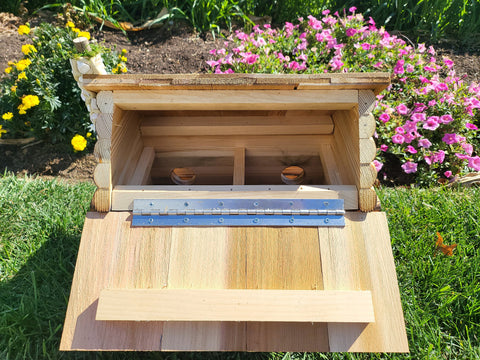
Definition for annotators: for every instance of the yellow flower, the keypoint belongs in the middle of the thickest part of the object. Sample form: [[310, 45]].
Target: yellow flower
[[37, 81], [8, 70], [70, 24], [28, 48], [24, 29], [13, 89], [124, 51], [89, 134], [23, 64], [115, 70], [123, 58], [124, 69], [84, 34], [79, 143], [76, 30], [2, 131], [7, 116], [21, 109], [22, 75], [30, 101]]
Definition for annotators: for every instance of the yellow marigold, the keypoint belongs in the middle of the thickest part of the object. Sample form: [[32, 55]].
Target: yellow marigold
[[8, 70], [124, 70], [28, 48], [30, 101], [84, 34], [89, 134], [124, 51], [2, 131], [115, 70], [24, 29], [70, 24], [123, 58], [79, 143], [23, 64], [11, 63], [21, 109], [22, 75], [76, 30], [7, 116], [13, 89]]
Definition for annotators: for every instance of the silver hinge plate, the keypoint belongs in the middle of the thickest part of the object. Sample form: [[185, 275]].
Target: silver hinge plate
[[238, 212]]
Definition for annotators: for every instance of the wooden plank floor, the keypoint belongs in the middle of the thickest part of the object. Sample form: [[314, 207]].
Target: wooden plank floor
[[113, 255]]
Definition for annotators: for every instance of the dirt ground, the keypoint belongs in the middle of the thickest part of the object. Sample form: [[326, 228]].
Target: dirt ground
[[170, 49]]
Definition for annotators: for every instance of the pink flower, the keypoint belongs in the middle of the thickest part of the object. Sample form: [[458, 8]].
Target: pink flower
[[420, 107], [416, 117], [471, 126], [410, 126], [468, 148], [378, 165], [383, 147], [462, 156], [410, 68], [445, 119], [424, 143], [410, 167], [409, 137], [447, 173], [450, 139], [398, 69], [432, 103], [351, 32], [384, 117], [402, 109], [213, 63], [314, 23], [398, 139], [431, 123], [399, 130], [440, 87], [448, 62], [439, 156], [411, 149], [474, 163], [352, 9]]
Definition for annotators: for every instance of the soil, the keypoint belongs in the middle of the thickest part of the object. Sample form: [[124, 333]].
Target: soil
[[169, 49]]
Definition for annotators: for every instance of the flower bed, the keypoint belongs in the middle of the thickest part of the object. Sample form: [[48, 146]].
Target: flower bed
[[428, 118]]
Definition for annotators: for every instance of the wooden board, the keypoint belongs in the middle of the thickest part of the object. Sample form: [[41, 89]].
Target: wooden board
[[374, 81], [113, 255]]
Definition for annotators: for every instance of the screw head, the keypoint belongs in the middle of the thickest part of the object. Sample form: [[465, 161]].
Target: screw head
[[186, 220], [186, 203], [325, 203], [255, 203], [221, 220], [220, 203], [291, 221], [327, 220], [150, 220], [256, 220]]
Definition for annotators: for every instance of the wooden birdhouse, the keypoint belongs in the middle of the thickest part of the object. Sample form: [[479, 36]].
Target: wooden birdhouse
[[234, 213]]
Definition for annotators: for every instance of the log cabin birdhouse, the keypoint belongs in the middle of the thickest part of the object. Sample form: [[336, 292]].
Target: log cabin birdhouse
[[234, 213]]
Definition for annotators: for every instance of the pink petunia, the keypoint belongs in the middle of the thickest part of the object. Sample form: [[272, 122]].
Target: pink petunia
[[410, 126], [439, 156], [418, 116], [399, 69], [450, 139], [462, 156], [409, 137], [471, 126], [431, 123], [351, 31], [402, 109], [378, 165], [399, 130], [383, 147], [425, 143], [474, 163], [447, 173], [398, 139], [352, 9], [411, 149], [445, 119], [384, 117], [468, 148], [410, 167]]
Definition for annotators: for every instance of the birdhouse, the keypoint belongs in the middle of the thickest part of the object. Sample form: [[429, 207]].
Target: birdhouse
[[234, 213]]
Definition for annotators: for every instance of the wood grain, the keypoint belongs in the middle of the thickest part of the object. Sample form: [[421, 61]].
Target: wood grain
[[235, 99], [235, 305]]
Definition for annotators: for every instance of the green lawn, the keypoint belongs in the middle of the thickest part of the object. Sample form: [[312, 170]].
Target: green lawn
[[40, 228]]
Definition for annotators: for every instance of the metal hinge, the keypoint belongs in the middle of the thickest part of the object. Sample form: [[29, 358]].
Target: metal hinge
[[238, 212]]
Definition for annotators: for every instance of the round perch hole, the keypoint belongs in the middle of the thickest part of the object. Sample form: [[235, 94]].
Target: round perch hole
[[183, 176], [293, 175]]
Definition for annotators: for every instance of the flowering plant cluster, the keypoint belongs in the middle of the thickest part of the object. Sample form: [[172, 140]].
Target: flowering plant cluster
[[428, 117], [39, 96]]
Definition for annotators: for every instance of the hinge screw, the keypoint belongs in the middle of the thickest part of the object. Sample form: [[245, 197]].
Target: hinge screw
[[326, 220], [325, 203], [150, 220], [220, 220], [291, 220], [256, 220], [186, 204], [186, 220]]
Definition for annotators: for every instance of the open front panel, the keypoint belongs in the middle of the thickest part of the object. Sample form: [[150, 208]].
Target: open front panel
[[240, 148], [347, 274]]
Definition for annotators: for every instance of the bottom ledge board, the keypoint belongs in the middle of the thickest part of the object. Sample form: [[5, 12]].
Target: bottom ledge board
[[235, 305]]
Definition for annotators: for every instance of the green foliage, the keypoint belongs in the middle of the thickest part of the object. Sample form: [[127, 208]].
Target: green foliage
[[39, 96]]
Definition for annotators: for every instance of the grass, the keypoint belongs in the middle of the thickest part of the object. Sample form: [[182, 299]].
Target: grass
[[40, 228]]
